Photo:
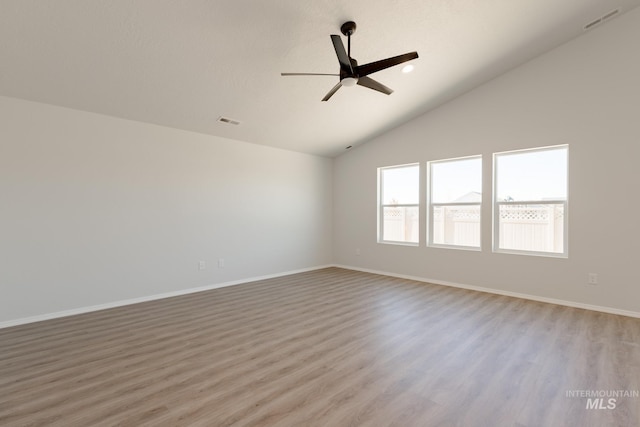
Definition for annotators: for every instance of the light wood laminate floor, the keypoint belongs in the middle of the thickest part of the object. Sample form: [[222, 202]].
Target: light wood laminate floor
[[331, 347]]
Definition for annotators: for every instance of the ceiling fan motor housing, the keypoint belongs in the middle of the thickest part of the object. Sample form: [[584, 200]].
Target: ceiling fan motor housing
[[346, 72]]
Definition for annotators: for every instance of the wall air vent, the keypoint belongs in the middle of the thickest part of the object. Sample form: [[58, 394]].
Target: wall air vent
[[227, 120], [592, 24], [601, 19]]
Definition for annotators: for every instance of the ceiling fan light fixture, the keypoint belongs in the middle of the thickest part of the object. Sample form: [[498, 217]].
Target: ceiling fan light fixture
[[349, 81], [407, 68]]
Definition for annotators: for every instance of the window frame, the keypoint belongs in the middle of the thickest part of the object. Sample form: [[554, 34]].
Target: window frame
[[496, 207], [382, 206], [431, 205]]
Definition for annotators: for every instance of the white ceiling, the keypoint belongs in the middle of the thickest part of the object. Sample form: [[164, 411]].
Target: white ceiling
[[185, 63]]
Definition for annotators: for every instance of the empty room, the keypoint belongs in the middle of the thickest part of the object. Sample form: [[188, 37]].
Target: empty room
[[363, 213]]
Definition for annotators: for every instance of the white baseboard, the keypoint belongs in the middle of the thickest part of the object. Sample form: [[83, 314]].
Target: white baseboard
[[81, 310], [574, 304], [121, 303]]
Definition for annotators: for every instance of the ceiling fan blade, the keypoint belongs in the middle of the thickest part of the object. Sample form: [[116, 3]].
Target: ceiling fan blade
[[332, 91], [343, 58], [372, 84], [307, 74], [372, 67]]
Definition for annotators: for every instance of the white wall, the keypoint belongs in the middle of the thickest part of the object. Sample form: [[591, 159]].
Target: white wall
[[95, 210], [585, 93]]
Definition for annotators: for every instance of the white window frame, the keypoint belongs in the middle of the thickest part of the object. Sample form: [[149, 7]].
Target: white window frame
[[381, 205], [431, 206], [497, 204]]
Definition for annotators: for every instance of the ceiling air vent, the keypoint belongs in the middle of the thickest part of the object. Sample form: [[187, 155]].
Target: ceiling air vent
[[600, 20], [227, 120]]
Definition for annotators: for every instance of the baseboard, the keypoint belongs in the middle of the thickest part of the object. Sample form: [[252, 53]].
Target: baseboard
[[81, 310], [574, 304]]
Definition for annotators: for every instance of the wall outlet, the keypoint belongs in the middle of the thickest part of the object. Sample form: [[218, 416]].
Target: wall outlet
[[358, 251], [220, 262], [592, 279], [202, 265]]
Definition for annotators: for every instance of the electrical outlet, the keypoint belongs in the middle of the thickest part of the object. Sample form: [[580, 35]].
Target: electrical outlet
[[592, 279], [220, 262], [202, 265], [358, 251]]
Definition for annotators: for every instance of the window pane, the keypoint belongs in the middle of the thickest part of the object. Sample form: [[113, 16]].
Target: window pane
[[456, 181], [531, 227], [400, 224], [532, 175], [456, 225], [400, 185]]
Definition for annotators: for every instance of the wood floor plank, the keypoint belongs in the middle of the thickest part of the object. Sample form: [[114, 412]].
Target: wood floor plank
[[330, 347]]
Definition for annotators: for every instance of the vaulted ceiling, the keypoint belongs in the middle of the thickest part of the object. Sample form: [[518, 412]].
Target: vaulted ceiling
[[184, 64]]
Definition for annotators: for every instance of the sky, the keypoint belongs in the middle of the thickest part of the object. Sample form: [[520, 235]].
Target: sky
[[454, 179], [532, 175], [400, 185], [522, 176]]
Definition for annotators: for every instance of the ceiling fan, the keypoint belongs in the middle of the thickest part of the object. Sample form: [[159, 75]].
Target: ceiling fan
[[350, 72]]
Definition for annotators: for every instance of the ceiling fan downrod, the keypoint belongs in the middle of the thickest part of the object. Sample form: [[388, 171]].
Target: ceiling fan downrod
[[348, 28]]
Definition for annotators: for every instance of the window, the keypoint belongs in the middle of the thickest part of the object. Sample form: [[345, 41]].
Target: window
[[399, 194], [454, 202], [530, 201]]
